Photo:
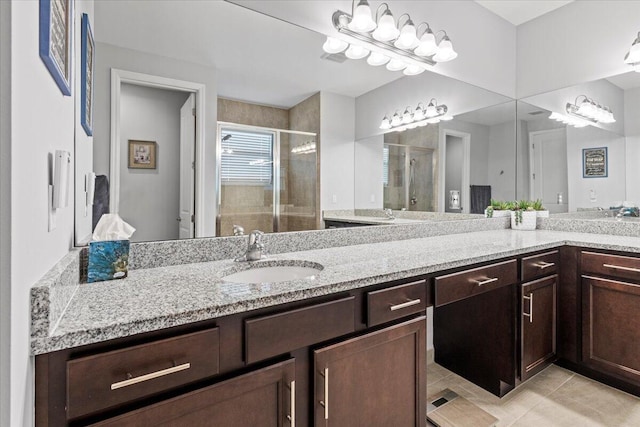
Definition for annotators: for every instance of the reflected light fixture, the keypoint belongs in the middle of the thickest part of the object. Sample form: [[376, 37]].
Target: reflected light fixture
[[305, 148], [589, 110], [421, 116], [572, 121], [633, 56], [401, 45]]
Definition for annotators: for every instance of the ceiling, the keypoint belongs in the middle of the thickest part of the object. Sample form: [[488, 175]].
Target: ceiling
[[520, 11]]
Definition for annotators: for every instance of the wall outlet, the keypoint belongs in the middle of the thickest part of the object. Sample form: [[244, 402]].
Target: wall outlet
[[334, 198]]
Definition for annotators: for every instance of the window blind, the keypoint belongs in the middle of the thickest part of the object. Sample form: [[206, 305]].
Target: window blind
[[385, 166], [247, 157]]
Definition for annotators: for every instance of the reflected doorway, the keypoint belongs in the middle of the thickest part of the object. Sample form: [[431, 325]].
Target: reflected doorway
[[548, 165]]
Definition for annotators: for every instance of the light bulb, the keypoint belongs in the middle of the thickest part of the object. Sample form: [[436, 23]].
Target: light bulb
[[445, 51], [396, 65], [407, 38], [387, 29], [386, 123], [427, 46], [376, 59], [356, 52], [334, 45], [396, 120], [361, 21], [413, 70]]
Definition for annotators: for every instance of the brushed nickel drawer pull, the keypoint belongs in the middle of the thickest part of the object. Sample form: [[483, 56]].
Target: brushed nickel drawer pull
[[530, 313], [150, 376], [485, 281], [325, 403], [619, 267], [292, 416], [405, 304], [542, 265]]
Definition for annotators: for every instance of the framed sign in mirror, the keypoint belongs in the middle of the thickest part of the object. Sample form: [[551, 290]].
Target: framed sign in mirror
[[142, 154], [55, 41], [594, 162]]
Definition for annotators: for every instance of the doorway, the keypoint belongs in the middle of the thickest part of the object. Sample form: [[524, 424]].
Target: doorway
[[454, 173], [548, 180]]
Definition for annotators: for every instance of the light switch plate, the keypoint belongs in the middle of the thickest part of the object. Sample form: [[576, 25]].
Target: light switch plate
[[52, 212]]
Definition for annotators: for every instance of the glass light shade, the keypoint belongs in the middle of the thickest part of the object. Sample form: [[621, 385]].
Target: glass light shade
[[412, 126], [407, 38], [334, 45], [407, 117], [423, 123], [387, 29], [396, 120], [445, 51], [386, 123], [418, 114], [556, 116], [431, 110], [356, 52], [396, 65], [633, 56], [413, 70], [433, 120], [446, 118], [362, 22], [377, 59], [427, 46]]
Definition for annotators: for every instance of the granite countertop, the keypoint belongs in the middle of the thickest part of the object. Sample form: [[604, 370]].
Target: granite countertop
[[373, 220], [156, 298]]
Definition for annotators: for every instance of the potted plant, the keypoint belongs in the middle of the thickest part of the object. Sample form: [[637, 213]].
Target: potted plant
[[523, 216], [540, 210], [497, 209]]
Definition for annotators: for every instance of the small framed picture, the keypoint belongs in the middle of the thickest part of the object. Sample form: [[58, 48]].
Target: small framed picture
[[86, 77], [55, 41], [594, 162], [142, 154]]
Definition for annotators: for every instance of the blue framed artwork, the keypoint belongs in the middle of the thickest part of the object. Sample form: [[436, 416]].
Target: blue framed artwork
[[594, 162], [86, 76], [55, 41]]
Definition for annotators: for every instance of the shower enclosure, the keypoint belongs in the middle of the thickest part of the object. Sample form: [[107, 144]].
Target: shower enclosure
[[408, 178], [266, 179]]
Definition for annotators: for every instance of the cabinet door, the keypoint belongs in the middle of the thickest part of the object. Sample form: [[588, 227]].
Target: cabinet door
[[376, 380], [263, 398], [611, 327], [538, 326]]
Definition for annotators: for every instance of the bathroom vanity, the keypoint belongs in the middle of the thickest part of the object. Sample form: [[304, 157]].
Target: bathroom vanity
[[349, 343]]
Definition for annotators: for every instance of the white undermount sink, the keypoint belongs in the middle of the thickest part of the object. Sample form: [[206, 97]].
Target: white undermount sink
[[266, 273]]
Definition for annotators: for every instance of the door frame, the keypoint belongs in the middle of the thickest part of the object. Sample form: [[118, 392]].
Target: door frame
[[531, 155], [118, 77], [466, 168]]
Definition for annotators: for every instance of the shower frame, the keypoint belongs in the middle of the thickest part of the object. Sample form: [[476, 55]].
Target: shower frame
[[407, 167], [275, 166]]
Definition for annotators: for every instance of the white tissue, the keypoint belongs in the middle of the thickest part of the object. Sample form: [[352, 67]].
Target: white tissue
[[112, 227]]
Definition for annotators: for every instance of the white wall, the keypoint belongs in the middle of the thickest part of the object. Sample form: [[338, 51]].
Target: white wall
[[368, 171], [150, 198], [611, 190], [107, 57], [580, 42], [501, 170], [43, 120], [479, 149], [337, 118]]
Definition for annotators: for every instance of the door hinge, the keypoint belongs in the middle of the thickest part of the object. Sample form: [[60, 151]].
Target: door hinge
[[193, 218], [533, 146], [193, 165], [193, 111], [534, 176]]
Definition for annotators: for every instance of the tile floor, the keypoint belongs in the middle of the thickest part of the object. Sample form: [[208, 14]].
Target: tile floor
[[555, 397]]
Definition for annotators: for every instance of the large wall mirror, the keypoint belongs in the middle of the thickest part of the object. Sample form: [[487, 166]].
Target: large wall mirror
[[584, 165], [261, 79]]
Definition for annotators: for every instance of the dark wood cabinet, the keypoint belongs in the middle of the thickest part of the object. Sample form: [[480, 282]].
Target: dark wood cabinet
[[374, 380], [537, 326], [263, 398], [611, 326]]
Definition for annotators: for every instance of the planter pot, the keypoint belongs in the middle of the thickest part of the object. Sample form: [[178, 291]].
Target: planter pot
[[543, 214], [523, 220], [491, 213]]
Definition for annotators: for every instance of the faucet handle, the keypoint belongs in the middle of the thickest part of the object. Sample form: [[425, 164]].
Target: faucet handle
[[255, 237], [238, 230]]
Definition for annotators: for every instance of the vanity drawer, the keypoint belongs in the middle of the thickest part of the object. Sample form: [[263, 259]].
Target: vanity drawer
[[622, 267], [394, 303], [540, 265], [458, 286], [105, 380], [276, 334]]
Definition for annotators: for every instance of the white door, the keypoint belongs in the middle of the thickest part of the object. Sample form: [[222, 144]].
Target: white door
[[187, 164], [548, 166]]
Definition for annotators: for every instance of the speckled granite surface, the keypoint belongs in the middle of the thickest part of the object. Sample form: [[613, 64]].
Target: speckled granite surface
[[378, 217], [592, 224], [156, 298]]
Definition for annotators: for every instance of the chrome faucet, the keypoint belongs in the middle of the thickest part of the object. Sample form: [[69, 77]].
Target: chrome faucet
[[255, 248], [238, 230], [389, 214]]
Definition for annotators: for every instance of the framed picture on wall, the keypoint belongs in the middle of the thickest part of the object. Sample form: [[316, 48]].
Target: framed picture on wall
[[594, 162], [55, 41], [142, 154], [86, 76]]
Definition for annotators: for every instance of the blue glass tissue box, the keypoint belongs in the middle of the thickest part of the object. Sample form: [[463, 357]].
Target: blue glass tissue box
[[108, 260]]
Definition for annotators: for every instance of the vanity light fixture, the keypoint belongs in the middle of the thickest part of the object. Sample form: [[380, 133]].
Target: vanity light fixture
[[306, 148], [633, 56], [421, 116], [589, 110], [572, 121], [403, 46]]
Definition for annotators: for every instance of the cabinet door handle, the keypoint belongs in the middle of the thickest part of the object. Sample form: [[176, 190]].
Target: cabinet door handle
[[530, 313], [484, 281], [619, 267], [292, 416], [325, 403], [405, 304], [150, 376], [542, 265]]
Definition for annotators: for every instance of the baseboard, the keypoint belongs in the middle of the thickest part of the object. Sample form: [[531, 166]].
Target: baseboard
[[430, 356]]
